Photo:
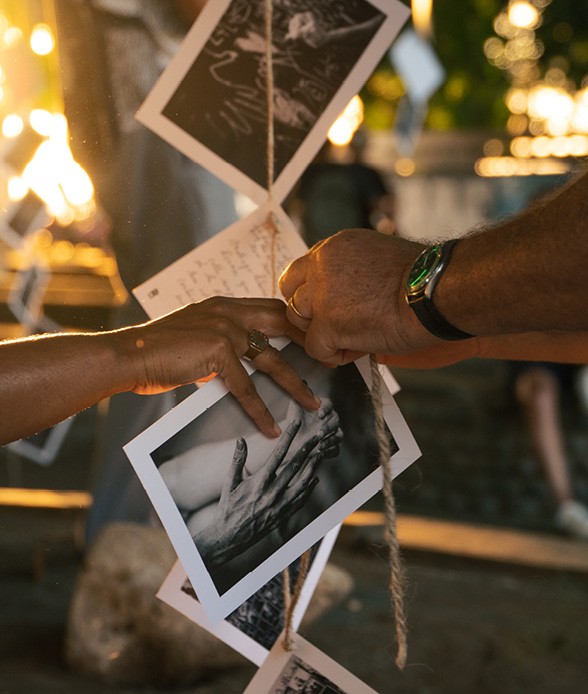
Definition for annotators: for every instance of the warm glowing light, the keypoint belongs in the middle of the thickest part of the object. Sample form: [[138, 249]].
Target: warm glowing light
[[523, 15], [405, 166], [516, 100], [41, 121], [76, 185], [521, 147], [42, 41], [342, 131], [541, 146], [422, 11], [55, 177], [497, 167], [12, 125], [11, 37], [550, 102], [16, 188]]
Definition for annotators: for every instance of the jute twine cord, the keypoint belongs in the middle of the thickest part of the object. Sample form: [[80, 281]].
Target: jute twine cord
[[290, 599], [390, 535], [396, 571], [271, 222]]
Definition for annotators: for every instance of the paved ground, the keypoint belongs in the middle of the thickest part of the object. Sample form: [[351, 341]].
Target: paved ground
[[474, 626]]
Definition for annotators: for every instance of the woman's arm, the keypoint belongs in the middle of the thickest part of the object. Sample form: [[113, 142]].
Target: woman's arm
[[47, 378]]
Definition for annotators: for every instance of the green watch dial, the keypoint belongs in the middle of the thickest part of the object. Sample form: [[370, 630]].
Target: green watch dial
[[423, 268]]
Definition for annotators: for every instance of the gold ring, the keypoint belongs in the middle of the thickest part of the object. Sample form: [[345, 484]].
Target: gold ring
[[296, 311], [258, 341]]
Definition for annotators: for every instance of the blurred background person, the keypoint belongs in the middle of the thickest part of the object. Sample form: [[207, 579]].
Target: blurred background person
[[161, 204]]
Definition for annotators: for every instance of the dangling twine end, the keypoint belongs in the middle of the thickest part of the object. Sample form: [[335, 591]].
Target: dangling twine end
[[396, 571], [401, 656]]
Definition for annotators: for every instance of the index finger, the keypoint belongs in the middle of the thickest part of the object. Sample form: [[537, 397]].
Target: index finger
[[242, 387], [293, 276]]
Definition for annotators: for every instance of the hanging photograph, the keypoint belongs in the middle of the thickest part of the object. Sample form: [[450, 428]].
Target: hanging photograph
[[211, 103], [27, 293], [304, 669], [238, 261], [42, 448], [253, 628], [238, 506], [21, 218]]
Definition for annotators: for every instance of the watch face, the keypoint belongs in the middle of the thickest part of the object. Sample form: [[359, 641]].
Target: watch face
[[423, 268]]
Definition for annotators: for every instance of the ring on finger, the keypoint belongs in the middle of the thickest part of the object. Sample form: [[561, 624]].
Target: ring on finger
[[295, 310], [258, 341]]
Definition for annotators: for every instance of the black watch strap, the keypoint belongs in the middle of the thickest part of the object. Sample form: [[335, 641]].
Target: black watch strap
[[423, 278]]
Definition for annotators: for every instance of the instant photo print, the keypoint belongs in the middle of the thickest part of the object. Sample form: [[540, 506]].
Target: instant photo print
[[42, 448], [239, 507], [253, 628], [304, 669], [25, 299], [211, 101], [22, 218]]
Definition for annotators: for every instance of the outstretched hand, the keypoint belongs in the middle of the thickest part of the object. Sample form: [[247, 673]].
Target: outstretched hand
[[251, 507]]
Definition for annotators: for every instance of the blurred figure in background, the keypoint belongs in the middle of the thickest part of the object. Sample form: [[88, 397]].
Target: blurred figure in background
[[162, 204], [333, 195], [539, 387]]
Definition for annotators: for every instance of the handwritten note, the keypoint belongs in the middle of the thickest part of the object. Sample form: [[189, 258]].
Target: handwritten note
[[236, 262]]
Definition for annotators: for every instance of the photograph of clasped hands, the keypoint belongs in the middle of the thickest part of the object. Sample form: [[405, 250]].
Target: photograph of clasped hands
[[238, 506]]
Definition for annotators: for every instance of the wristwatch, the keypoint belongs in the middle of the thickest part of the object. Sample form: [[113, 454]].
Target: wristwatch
[[423, 277]]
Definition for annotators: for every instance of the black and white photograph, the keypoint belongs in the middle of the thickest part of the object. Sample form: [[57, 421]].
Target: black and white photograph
[[25, 299], [304, 670], [253, 628], [211, 102], [21, 218], [42, 448], [238, 506]]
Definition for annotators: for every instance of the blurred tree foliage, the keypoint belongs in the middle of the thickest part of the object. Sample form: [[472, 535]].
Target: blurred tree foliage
[[473, 93]]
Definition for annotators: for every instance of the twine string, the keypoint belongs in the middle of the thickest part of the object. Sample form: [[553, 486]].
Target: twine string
[[397, 578], [270, 143], [290, 598]]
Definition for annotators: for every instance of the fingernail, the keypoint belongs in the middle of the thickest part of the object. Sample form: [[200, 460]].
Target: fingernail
[[277, 430]]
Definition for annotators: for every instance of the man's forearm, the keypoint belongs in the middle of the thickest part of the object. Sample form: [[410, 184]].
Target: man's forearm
[[528, 273]]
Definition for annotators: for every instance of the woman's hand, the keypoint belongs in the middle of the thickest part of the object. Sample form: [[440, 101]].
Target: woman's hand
[[251, 507], [209, 338]]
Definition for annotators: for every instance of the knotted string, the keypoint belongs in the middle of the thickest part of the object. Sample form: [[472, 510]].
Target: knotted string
[[390, 535], [290, 599]]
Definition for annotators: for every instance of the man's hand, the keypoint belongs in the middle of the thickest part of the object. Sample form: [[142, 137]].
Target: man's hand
[[347, 293]]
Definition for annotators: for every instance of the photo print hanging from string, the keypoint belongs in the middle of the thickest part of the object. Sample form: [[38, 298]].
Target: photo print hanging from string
[[239, 507], [305, 669], [255, 626], [245, 259], [210, 103]]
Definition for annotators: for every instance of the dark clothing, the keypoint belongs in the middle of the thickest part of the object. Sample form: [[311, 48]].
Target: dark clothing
[[336, 197]]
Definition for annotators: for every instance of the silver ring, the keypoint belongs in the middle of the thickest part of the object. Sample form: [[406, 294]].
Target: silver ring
[[296, 311], [258, 341]]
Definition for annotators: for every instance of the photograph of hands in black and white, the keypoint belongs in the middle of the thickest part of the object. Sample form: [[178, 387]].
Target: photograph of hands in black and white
[[242, 495]]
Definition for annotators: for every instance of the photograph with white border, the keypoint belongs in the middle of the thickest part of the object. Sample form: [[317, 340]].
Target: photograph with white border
[[304, 669], [211, 102], [239, 507], [245, 259], [42, 448], [253, 628], [26, 296], [23, 217]]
